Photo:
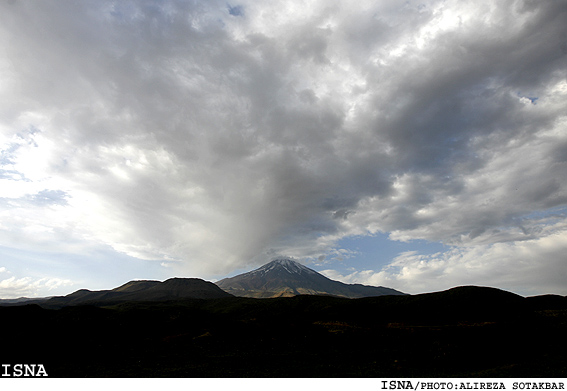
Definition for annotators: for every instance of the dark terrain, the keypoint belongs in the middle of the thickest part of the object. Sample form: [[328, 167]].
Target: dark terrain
[[144, 290], [462, 332]]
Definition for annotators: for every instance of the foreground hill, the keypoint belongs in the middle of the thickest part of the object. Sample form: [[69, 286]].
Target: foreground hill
[[285, 278], [172, 289], [461, 332]]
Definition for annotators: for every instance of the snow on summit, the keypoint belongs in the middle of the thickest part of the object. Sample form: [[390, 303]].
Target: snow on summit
[[284, 277], [287, 264]]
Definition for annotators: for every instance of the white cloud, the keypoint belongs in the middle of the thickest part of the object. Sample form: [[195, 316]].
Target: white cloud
[[528, 267], [13, 288], [180, 132]]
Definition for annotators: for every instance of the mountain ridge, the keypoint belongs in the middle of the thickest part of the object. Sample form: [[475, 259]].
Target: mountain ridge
[[285, 277], [142, 290], [451, 333]]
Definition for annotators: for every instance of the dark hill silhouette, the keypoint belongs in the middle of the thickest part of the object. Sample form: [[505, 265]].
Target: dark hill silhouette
[[547, 302], [462, 303], [285, 278], [461, 332], [181, 288], [137, 285], [172, 289]]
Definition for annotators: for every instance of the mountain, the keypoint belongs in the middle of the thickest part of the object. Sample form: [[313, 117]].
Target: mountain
[[136, 286], [472, 332], [285, 277], [22, 301], [172, 289]]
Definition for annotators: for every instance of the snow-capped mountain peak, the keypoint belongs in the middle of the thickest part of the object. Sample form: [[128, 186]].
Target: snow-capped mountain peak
[[284, 277], [286, 264]]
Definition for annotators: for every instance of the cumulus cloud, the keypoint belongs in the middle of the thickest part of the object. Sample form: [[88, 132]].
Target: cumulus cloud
[[211, 136], [13, 288], [526, 267]]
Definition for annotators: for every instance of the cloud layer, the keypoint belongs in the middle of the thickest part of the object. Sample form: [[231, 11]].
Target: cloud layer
[[13, 288], [528, 267], [211, 136]]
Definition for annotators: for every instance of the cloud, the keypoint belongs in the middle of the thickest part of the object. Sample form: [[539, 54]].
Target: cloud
[[213, 135], [13, 288], [525, 267]]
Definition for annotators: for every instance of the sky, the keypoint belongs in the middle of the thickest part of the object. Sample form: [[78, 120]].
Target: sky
[[418, 145]]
